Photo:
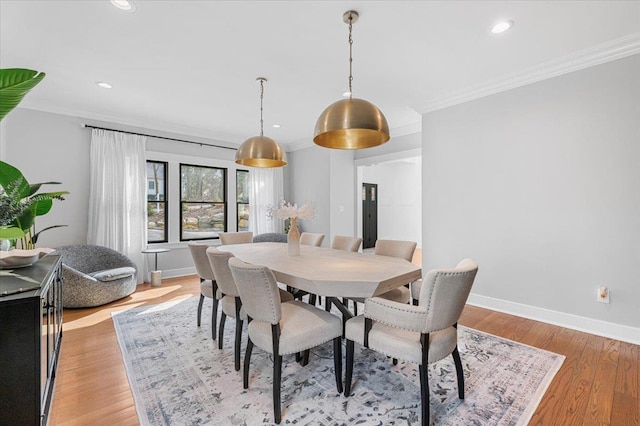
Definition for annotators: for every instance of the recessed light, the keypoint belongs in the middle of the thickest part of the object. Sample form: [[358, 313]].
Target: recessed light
[[126, 5], [104, 85], [501, 27], [346, 94], [276, 126]]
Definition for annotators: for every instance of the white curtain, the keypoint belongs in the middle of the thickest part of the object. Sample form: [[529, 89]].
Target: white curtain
[[117, 195], [266, 187]]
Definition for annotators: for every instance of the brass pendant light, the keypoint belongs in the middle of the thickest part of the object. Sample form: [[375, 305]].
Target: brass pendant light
[[261, 151], [351, 123]]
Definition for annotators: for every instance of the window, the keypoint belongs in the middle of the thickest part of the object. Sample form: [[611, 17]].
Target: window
[[242, 199], [203, 208], [156, 202]]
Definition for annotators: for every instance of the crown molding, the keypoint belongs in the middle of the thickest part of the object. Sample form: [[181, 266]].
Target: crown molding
[[151, 125], [596, 55]]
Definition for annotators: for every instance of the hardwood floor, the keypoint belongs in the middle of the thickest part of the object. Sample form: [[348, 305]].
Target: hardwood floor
[[597, 384]]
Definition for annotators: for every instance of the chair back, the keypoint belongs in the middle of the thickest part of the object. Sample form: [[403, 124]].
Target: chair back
[[258, 290], [201, 261], [445, 291], [341, 242], [396, 248], [270, 237], [311, 239], [244, 237], [219, 261]]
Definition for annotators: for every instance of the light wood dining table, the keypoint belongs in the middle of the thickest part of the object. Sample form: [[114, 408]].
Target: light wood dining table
[[331, 273]]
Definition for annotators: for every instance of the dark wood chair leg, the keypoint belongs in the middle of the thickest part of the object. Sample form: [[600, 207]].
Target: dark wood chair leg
[[458, 362], [355, 308], [223, 319], [424, 380], [277, 372], [312, 299], [236, 348], [337, 362], [200, 308], [395, 361], [305, 358], [298, 357], [214, 312], [415, 302], [348, 368], [247, 361]]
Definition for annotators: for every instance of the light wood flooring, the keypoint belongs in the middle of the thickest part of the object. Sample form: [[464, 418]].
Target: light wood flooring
[[597, 384]]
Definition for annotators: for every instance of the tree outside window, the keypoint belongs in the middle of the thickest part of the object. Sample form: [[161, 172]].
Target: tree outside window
[[242, 199], [203, 209], [156, 202]]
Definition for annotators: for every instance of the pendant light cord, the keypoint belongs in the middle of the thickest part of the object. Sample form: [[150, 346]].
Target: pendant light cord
[[261, 97], [350, 57]]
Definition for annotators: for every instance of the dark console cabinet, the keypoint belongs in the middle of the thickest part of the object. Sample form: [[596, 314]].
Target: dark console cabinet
[[30, 336]]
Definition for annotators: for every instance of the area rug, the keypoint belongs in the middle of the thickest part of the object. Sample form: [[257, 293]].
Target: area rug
[[178, 376]]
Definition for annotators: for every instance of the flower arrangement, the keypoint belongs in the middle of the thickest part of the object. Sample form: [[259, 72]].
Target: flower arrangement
[[286, 210]]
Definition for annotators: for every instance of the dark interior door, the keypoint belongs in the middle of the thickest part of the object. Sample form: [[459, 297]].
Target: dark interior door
[[369, 215]]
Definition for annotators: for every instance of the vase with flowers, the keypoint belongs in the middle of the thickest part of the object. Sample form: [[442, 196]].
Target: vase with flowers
[[292, 212]]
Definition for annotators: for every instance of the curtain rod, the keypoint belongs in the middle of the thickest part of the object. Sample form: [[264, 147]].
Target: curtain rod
[[161, 137]]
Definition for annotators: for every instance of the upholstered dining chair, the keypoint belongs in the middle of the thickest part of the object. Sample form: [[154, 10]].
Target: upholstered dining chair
[[403, 250], [208, 285], [243, 237], [281, 328], [341, 242], [230, 300], [422, 334], [311, 239]]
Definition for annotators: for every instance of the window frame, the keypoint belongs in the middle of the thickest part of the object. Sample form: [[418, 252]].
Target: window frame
[[225, 192], [164, 202], [238, 203]]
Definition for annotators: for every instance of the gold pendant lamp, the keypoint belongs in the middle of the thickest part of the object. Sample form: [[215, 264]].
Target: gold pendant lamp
[[351, 123], [261, 151]]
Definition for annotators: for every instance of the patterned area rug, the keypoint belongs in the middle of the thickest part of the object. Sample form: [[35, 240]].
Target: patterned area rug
[[178, 376]]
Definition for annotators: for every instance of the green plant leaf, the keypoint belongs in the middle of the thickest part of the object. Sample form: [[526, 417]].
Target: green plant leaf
[[15, 83], [8, 174], [26, 220], [11, 233], [34, 240], [41, 207], [35, 186]]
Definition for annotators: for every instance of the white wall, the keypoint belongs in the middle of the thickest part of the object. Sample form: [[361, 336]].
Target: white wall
[[541, 184]]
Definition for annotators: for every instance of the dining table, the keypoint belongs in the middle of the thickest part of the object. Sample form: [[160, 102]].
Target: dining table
[[334, 274]]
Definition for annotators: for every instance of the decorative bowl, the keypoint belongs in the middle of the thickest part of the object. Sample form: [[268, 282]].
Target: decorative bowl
[[20, 258]]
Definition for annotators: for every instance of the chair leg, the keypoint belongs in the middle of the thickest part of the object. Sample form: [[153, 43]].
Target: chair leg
[[223, 319], [247, 361], [415, 302], [458, 362], [214, 312], [236, 348], [200, 308], [312, 299], [305, 358], [348, 368], [277, 372], [424, 380], [355, 308], [337, 362], [395, 361]]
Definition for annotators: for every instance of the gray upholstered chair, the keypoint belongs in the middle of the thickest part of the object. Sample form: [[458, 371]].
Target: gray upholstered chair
[[236, 237], [95, 275], [403, 250], [311, 239], [281, 328], [422, 334], [230, 298], [341, 242], [270, 237], [208, 285]]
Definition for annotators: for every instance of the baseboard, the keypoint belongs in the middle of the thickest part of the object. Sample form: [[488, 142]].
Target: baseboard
[[611, 330], [182, 272]]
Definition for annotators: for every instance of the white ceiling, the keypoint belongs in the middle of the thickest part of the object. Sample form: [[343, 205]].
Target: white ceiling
[[189, 67]]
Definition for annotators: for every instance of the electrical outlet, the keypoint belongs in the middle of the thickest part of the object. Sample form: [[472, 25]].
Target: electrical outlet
[[603, 294]]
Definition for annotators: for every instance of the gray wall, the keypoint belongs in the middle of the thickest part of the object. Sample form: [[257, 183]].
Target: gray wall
[[541, 184]]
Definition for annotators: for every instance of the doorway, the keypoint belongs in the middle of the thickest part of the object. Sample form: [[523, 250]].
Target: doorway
[[369, 215]]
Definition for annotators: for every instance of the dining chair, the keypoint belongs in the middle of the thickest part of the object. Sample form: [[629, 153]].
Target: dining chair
[[341, 242], [416, 287], [403, 250], [230, 300], [243, 237], [311, 239], [208, 285], [422, 334], [281, 328]]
